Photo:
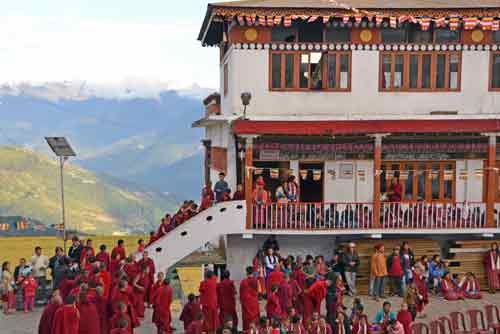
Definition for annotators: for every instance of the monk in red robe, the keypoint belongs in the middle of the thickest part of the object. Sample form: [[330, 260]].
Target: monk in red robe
[[209, 304], [470, 287], [190, 311], [273, 309], [90, 322], [103, 256], [275, 278], [162, 303], [131, 269], [492, 267], [140, 289], [207, 196], [249, 299], [317, 293], [122, 327], [101, 302], [285, 294], [67, 318], [45, 325], [419, 280], [104, 278], [405, 318], [449, 288], [226, 296], [121, 313], [196, 326], [117, 255], [123, 295], [147, 261]]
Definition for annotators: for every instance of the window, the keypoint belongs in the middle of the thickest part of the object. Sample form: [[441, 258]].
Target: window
[[495, 71], [420, 71], [390, 35], [310, 71], [496, 36], [446, 36], [333, 34], [421, 181], [282, 34], [417, 35], [311, 32]]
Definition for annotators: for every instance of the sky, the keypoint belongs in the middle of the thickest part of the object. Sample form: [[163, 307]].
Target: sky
[[105, 42]]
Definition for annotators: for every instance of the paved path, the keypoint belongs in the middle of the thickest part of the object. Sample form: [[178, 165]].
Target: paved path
[[21, 323]]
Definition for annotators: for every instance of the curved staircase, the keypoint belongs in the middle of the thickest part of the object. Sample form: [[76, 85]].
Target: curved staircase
[[221, 219]]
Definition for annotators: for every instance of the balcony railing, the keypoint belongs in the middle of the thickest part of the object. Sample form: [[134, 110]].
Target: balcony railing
[[359, 216]]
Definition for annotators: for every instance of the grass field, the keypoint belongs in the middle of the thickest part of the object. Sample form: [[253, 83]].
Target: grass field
[[14, 248]]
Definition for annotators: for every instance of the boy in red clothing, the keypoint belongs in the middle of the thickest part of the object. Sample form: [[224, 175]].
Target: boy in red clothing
[[273, 308], [405, 318], [122, 327], [29, 288]]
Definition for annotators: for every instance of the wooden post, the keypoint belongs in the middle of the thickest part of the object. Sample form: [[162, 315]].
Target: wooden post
[[377, 167], [207, 143], [491, 174], [249, 179]]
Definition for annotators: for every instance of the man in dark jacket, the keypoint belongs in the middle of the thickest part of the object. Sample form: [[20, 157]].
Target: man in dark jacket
[[76, 249], [351, 265], [407, 262]]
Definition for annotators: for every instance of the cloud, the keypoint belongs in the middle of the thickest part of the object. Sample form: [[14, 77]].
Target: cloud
[[40, 49]]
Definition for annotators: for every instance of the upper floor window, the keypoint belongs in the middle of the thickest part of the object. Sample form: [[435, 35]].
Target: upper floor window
[[390, 35], [334, 34], [310, 32], [310, 71], [420, 71], [283, 34], [446, 36], [495, 71], [496, 36]]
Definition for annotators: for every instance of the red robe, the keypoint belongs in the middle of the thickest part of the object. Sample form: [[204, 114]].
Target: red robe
[[195, 327], [139, 294], [207, 198], [317, 293], [285, 294], [45, 325], [297, 298], [450, 291], [471, 289], [66, 320], [322, 330], [117, 255], [422, 290], [273, 308], [132, 270], [105, 278], [249, 299], [492, 267], [190, 311], [208, 300], [162, 315], [102, 305], [152, 270], [113, 323], [103, 257], [226, 297], [120, 331], [274, 278], [308, 306], [90, 322], [405, 318], [124, 297]]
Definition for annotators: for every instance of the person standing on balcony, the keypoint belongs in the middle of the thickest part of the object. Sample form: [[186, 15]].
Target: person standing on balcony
[[221, 188], [351, 262], [395, 190], [378, 271], [492, 266], [239, 194], [292, 189], [207, 196]]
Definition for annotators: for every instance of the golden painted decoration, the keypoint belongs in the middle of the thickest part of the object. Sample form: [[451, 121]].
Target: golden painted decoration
[[477, 36], [251, 34], [365, 36]]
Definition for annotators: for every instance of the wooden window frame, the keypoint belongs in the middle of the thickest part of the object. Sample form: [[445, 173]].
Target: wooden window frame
[[493, 54], [428, 182], [296, 72], [406, 77]]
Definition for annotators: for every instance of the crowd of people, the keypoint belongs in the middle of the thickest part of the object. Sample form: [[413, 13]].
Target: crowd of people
[[100, 292]]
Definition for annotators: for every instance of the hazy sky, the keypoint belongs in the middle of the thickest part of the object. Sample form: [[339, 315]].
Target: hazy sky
[[105, 41]]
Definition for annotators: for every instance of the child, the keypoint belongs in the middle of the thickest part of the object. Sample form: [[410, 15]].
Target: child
[[361, 326], [7, 285], [323, 327], [29, 287], [395, 327], [449, 288], [405, 318], [273, 308], [196, 326], [436, 272], [470, 287], [384, 316], [252, 329], [423, 295], [190, 311], [411, 299], [297, 327]]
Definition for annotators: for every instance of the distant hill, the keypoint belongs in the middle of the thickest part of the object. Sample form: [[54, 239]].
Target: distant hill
[[29, 187]]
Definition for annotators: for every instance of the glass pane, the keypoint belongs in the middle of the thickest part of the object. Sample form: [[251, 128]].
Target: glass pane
[[495, 77], [421, 182], [409, 183], [426, 71], [435, 180], [393, 35], [304, 71], [289, 65], [332, 71], [448, 181], [316, 61], [311, 32], [338, 35], [447, 35], [386, 68], [440, 70], [415, 35], [276, 71], [453, 84], [282, 34], [344, 71], [413, 71], [496, 36], [383, 181], [399, 72]]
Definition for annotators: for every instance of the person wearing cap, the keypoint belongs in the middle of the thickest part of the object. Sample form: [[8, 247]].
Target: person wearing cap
[[378, 271], [351, 265], [221, 187]]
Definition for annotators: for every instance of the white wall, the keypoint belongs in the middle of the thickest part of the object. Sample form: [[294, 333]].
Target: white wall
[[349, 190], [250, 72], [470, 190]]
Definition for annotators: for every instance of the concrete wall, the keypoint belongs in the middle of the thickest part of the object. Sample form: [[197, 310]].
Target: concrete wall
[[349, 190], [249, 71], [221, 136]]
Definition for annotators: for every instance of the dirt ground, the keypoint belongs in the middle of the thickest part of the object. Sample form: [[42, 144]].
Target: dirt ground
[[21, 323]]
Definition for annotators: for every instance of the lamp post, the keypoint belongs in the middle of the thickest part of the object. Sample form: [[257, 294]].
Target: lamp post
[[62, 149], [245, 100]]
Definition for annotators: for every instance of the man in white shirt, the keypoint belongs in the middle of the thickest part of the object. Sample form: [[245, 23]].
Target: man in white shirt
[[40, 263], [270, 261]]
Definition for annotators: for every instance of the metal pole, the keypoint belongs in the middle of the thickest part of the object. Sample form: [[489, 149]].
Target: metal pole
[[61, 162]]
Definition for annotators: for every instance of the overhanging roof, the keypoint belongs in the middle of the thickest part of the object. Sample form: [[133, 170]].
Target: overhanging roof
[[248, 127]]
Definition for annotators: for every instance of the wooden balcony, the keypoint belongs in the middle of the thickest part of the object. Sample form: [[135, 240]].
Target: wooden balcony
[[359, 216]]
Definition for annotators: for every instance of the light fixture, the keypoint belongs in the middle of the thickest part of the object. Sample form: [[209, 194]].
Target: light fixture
[[376, 236], [488, 235], [246, 97]]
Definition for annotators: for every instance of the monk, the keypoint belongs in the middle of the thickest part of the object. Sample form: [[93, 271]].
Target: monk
[[273, 309], [122, 327], [157, 285], [45, 325], [209, 304], [131, 269], [67, 318], [405, 317], [101, 302], [196, 326], [117, 255], [104, 278], [147, 261], [190, 311], [317, 293], [285, 293], [226, 296], [162, 303], [140, 285], [249, 299], [449, 288], [120, 314], [207, 196], [419, 280], [492, 267], [90, 322], [470, 287], [103, 256], [123, 295], [275, 277], [307, 302]]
